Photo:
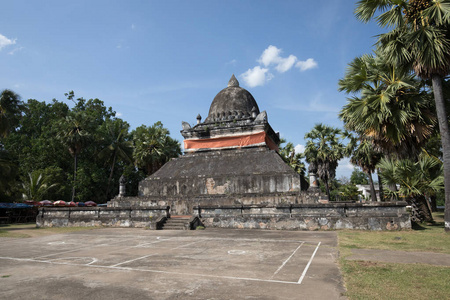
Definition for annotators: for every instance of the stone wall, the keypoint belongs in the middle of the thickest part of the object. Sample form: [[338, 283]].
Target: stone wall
[[185, 204], [376, 216], [101, 216]]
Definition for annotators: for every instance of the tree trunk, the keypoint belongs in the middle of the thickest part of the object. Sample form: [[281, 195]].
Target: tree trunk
[[445, 140], [110, 176], [433, 203], [372, 187], [380, 186], [74, 175], [328, 190]]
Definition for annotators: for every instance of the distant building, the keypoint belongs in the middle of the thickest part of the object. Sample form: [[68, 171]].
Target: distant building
[[365, 190]]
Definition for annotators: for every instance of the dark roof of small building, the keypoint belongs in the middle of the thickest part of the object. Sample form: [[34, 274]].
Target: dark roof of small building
[[225, 163], [232, 100]]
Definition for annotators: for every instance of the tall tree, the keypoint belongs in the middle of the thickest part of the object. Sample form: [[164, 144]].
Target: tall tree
[[388, 106], [75, 136], [363, 154], [153, 147], [420, 39], [11, 108], [117, 146], [323, 150]]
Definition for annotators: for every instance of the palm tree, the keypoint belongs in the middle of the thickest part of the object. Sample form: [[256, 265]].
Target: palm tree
[[74, 135], [417, 180], [323, 151], [420, 39], [117, 147], [36, 188], [388, 108], [10, 111], [153, 147], [294, 160], [363, 154]]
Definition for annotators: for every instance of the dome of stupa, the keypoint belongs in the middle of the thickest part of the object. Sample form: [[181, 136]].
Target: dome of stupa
[[232, 103]]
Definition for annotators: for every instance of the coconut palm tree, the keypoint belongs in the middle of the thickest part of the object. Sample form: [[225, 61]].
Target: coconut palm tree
[[36, 187], [420, 39], [153, 147], [117, 147], [323, 151], [74, 135]]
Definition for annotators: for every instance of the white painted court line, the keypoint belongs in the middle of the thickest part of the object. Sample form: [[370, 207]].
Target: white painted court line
[[81, 248], [309, 263], [150, 271], [145, 256], [282, 265]]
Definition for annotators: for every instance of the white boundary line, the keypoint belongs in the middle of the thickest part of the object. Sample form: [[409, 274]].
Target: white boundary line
[[309, 263], [151, 271], [145, 256], [282, 265]]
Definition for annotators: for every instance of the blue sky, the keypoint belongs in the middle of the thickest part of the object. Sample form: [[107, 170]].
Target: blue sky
[[166, 60]]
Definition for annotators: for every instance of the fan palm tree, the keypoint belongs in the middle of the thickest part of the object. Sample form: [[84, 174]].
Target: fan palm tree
[[420, 39], [294, 160], [323, 151], [153, 147], [417, 180], [390, 109], [74, 135], [117, 146], [363, 154]]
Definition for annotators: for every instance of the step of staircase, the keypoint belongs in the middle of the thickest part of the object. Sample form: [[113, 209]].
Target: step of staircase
[[177, 223]]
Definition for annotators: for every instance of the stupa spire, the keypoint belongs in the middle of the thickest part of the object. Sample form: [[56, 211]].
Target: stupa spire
[[233, 81]]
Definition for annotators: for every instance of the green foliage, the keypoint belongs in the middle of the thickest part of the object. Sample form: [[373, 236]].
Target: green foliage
[[424, 177], [81, 151], [390, 109], [348, 192], [323, 151], [153, 147], [36, 187], [11, 108], [358, 177], [294, 160]]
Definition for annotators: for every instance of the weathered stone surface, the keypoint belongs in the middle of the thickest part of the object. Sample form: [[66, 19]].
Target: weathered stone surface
[[387, 216], [104, 216]]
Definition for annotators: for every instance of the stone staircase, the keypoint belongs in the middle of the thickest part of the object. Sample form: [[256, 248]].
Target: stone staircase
[[177, 223]]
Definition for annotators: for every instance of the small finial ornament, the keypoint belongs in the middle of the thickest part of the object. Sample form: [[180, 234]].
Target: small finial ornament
[[233, 81], [199, 119]]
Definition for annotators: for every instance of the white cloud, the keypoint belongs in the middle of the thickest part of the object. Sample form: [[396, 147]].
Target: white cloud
[[286, 63], [4, 41], [118, 114], [256, 76], [15, 50], [299, 148], [232, 62], [310, 63], [271, 56]]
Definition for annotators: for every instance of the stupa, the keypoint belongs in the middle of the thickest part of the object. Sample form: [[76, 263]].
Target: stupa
[[231, 158]]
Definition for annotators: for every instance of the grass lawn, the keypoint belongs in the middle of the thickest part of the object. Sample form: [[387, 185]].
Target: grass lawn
[[375, 280], [30, 230]]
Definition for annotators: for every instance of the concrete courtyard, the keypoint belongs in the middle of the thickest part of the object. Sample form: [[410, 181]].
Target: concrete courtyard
[[127, 263]]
